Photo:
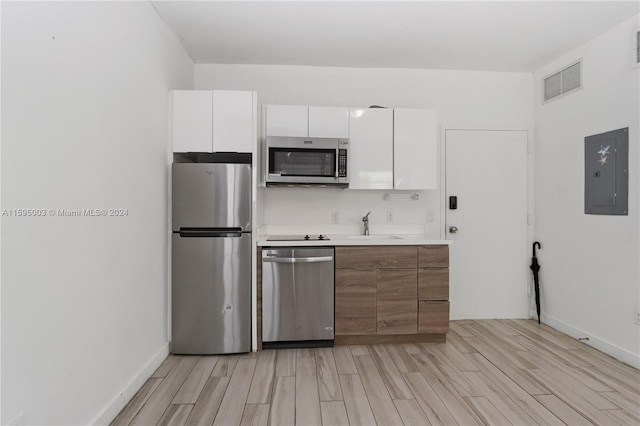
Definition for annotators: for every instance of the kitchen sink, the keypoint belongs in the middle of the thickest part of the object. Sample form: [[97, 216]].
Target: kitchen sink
[[372, 237]]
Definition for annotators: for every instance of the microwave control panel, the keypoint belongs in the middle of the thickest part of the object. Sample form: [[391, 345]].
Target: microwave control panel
[[342, 163]]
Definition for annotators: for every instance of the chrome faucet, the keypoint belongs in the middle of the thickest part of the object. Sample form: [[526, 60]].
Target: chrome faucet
[[365, 220]]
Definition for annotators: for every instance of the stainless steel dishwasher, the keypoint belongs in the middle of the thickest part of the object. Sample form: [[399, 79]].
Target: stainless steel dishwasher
[[298, 296]]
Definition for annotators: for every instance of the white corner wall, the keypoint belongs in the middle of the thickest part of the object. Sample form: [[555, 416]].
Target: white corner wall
[[463, 99], [84, 126], [590, 278]]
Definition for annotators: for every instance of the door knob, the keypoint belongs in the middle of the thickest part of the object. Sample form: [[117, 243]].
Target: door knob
[[453, 229]]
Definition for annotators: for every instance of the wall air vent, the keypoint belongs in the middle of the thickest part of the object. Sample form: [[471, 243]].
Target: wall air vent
[[564, 81]]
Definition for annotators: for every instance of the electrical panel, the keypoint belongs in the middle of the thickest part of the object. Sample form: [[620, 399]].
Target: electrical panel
[[606, 167]]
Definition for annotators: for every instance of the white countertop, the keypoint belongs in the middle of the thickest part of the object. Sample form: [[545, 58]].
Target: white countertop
[[358, 240]]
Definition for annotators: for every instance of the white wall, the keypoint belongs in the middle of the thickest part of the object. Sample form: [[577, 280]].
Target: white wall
[[84, 113], [463, 99], [589, 278]]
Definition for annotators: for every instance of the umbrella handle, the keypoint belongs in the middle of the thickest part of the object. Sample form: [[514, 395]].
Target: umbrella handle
[[534, 247]]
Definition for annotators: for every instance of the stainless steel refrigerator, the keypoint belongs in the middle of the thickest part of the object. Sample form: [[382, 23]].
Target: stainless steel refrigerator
[[211, 258]]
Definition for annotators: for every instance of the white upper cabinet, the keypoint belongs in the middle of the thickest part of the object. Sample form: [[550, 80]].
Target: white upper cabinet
[[415, 142], [328, 122], [287, 120], [213, 121], [192, 120], [233, 118], [370, 148], [304, 121]]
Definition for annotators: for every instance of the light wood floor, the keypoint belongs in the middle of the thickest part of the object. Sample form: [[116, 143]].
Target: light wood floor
[[490, 372]]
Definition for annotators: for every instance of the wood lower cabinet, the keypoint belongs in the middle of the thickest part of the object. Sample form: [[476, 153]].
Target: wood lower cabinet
[[433, 289], [433, 256], [433, 283], [355, 302], [390, 294], [433, 317], [397, 304], [367, 258]]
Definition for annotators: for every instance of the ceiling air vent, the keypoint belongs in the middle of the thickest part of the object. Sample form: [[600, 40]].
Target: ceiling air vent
[[564, 81]]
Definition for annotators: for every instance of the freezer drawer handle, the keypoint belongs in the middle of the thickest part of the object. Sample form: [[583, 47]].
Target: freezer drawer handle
[[298, 259]]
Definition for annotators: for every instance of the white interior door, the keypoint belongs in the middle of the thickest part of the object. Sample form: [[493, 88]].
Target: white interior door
[[487, 171]]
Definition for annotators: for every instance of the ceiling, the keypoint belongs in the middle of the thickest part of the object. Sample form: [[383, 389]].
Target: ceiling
[[519, 36]]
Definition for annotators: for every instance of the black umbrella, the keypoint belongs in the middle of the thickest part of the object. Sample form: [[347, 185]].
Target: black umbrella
[[535, 267]]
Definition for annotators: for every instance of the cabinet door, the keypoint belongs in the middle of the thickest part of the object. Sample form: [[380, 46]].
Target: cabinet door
[[192, 120], [415, 149], [370, 148], [433, 317], [355, 302], [397, 301], [328, 122], [287, 120], [433, 283], [233, 121]]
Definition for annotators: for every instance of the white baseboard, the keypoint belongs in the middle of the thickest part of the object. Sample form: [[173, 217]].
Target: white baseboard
[[489, 316], [617, 352], [120, 400]]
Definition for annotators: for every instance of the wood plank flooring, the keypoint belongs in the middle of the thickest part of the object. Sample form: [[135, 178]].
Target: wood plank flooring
[[492, 372]]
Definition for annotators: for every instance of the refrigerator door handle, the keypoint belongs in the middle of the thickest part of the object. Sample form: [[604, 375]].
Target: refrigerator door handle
[[211, 232], [298, 259]]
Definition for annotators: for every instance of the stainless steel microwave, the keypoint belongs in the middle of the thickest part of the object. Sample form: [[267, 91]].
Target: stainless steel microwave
[[306, 161]]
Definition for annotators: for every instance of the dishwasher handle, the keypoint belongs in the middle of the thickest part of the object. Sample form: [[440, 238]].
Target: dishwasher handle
[[298, 259]]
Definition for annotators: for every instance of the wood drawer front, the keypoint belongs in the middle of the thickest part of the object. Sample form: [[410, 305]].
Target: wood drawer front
[[397, 304], [433, 317], [355, 302], [433, 283], [433, 256], [376, 257]]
